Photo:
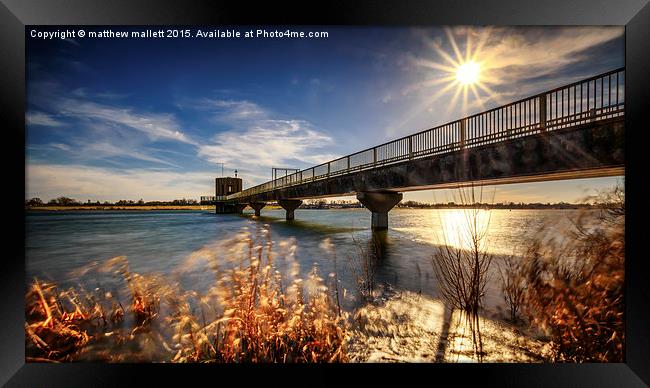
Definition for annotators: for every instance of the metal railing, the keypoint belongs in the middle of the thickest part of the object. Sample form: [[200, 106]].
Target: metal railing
[[213, 198], [597, 98]]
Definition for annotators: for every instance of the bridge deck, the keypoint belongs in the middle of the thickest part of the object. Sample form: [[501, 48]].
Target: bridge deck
[[580, 125]]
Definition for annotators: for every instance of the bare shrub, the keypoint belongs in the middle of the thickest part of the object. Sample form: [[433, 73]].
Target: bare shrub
[[462, 270], [575, 286], [513, 284]]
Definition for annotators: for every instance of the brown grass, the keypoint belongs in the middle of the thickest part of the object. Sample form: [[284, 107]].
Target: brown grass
[[251, 314], [60, 324], [266, 317], [575, 287]]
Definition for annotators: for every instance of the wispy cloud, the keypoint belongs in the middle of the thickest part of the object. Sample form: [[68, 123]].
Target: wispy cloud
[[106, 149], [107, 95], [94, 132], [260, 139], [515, 62], [537, 53], [42, 119], [233, 110], [158, 126], [268, 143], [509, 56]]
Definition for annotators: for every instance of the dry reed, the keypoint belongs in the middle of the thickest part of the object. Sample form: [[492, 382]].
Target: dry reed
[[575, 286], [251, 314]]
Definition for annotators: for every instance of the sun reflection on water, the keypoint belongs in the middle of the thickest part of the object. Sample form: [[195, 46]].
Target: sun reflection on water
[[462, 228]]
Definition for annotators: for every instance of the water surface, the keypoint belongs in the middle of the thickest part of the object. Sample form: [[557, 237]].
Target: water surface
[[58, 244]]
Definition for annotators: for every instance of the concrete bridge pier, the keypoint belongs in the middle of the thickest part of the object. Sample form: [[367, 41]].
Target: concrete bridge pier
[[289, 205], [379, 203], [239, 207], [257, 206]]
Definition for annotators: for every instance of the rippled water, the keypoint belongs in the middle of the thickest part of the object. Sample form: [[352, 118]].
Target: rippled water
[[60, 243]]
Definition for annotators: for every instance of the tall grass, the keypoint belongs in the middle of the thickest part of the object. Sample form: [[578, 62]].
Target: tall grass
[[575, 285], [252, 313], [363, 265]]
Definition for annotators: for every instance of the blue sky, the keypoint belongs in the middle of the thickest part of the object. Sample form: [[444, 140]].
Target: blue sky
[[111, 119]]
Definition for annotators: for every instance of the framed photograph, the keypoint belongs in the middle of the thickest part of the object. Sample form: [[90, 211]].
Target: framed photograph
[[239, 192]]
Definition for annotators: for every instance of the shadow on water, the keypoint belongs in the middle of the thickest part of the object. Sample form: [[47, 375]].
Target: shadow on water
[[300, 224]]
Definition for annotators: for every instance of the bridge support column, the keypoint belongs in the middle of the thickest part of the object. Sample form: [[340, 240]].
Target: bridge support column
[[257, 206], [221, 207], [379, 203], [239, 207], [289, 205]]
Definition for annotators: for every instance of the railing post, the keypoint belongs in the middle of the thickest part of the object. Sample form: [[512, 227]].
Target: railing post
[[542, 112], [348, 163], [374, 156], [410, 148], [463, 124], [328, 169]]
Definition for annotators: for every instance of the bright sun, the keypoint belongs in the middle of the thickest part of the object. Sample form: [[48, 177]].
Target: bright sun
[[466, 68], [468, 73]]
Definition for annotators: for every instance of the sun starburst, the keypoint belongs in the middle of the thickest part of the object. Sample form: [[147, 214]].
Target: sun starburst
[[462, 69]]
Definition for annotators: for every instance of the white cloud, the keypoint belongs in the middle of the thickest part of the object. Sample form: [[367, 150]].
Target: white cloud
[[42, 119], [509, 55], [268, 143], [107, 149], [259, 139], [228, 110], [48, 181], [543, 53], [99, 131], [515, 62], [60, 146], [155, 125]]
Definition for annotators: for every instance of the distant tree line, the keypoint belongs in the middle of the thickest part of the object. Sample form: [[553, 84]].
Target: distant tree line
[[322, 204], [66, 201], [503, 205]]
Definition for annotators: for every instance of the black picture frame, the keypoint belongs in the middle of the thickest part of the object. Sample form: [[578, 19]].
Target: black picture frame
[[16, 14]]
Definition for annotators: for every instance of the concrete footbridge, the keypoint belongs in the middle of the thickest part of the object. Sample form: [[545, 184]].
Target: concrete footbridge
[[573, 131]]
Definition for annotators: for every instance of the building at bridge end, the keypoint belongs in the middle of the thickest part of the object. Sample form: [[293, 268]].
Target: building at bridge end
[[225, 186]]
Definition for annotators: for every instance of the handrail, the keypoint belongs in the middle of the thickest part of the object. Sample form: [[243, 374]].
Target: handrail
[[546, 111]]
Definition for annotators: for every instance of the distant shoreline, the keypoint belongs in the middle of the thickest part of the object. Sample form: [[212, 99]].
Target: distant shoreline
[[270, 207], [117, 207]]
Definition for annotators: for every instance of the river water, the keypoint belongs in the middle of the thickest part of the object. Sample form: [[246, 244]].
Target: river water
[[58, 244]]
